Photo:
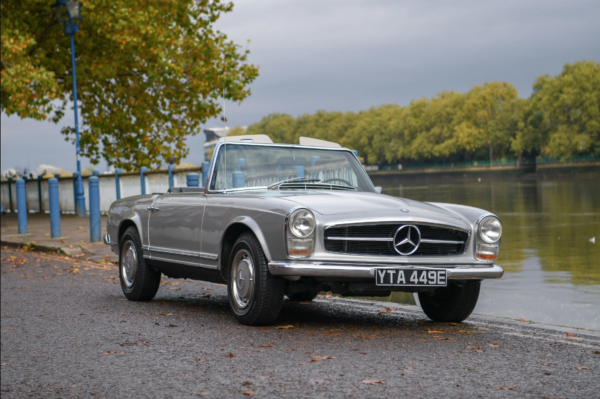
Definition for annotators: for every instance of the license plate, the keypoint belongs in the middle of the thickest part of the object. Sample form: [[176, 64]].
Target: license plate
[[411, 277]]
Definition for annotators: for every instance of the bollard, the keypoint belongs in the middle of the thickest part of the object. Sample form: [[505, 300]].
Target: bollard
[[57, 175], [10, 194], [170, 168], [94, 193], [193, 180], [21, 206], [299, 170], [40, 202], [54, 208], [143, 179], [355, 152], [240, 162], [118, 182], [238, 179], [205, 167], [313, 162], [75, 191], [95, 173]]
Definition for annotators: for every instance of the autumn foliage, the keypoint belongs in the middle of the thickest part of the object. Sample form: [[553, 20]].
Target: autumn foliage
[[148, 73]]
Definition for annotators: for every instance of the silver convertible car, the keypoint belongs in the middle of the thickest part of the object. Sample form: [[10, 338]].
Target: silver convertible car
[[276, 221]]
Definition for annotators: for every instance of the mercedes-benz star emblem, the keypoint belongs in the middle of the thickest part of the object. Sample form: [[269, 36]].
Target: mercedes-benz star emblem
[[407, 239]]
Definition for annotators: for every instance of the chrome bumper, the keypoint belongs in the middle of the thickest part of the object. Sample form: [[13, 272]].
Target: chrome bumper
[[459, 272], [107, 240]]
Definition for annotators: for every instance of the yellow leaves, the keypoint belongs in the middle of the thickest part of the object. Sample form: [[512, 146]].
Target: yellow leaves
[[284, 327], [373, 382]]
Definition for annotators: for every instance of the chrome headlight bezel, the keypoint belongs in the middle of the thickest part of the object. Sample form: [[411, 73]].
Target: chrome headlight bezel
[[486, 248], [300, 244], [492, 225], [304, 215]]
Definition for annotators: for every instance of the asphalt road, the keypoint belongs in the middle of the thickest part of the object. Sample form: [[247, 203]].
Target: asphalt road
[[68, 331]]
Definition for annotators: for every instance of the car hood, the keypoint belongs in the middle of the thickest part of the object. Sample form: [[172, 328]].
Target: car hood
[[380, 205]]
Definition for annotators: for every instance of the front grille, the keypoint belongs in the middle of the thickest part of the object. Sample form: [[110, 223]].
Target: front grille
[[378, 240]]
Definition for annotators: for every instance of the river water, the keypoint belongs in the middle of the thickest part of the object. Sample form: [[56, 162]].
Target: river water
[[551, 263]]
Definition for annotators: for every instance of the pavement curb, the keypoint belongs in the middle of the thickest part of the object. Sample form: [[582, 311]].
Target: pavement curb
[[36, 247]]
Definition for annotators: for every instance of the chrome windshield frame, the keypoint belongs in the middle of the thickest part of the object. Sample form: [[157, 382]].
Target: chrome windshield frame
[[215, 157]]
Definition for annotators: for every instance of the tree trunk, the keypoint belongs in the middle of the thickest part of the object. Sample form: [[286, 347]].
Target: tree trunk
[[491, 151]]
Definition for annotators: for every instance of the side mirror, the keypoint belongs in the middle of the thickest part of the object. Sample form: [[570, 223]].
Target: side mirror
[[378, 189]]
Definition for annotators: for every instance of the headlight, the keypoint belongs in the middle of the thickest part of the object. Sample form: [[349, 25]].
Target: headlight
[[300, 233], [302, 223], [490, 230]]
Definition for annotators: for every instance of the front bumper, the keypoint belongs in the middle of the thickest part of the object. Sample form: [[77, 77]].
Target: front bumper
[[455, 272]]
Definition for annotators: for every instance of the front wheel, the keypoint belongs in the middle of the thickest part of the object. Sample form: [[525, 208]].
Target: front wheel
[[255, 295], [138, 281], [451, 304]]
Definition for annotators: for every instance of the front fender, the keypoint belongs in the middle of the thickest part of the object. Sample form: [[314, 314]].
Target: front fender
[[255, 228]]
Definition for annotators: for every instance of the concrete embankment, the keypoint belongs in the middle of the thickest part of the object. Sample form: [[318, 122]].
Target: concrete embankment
[[473, 174]]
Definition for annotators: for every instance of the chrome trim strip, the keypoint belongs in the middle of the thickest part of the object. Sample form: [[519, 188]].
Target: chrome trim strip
[[389, 239], [202, 255], [455, 272], [350, 223], [182, 262], [428, 241]]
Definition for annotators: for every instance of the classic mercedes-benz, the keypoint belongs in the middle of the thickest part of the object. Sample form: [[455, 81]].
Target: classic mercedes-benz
[[279, 220]]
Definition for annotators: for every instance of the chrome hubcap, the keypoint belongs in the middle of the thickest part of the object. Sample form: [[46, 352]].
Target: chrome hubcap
[[243, 278], [128, 264]]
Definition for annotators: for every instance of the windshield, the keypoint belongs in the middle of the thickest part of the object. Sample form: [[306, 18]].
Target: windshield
[[249, 166]]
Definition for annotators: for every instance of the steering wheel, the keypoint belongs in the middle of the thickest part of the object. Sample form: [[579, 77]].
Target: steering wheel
[[337, 179]]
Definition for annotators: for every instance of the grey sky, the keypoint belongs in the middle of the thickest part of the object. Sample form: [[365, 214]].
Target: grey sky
[[351, 55]]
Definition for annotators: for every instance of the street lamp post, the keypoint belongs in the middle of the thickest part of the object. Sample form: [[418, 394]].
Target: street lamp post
[[69, 14]]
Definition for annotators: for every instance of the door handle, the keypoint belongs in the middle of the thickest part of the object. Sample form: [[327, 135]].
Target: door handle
[[153, 209]]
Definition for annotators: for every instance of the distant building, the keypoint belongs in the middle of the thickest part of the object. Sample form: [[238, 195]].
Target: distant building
[[213, 135]]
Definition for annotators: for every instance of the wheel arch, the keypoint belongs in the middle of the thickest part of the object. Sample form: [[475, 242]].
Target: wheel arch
[[131, 219], [237, 227]]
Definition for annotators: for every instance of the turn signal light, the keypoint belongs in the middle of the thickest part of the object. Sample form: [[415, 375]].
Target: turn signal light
[[300, 246], [487, 251]]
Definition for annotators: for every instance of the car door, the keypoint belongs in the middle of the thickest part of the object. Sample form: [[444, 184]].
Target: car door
[[175, 228]]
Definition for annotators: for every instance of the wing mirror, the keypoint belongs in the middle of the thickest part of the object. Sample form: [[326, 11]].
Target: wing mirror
[[378, 189]]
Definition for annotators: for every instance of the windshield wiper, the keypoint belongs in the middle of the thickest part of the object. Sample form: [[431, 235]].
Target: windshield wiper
[[279, 183]]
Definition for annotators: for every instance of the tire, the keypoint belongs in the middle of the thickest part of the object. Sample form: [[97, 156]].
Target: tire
[[451, 304], [255, 295], [305, 296], [138, 281]]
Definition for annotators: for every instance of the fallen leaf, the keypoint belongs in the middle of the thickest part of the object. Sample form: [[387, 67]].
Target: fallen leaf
[[248, 393], [230, 355], [388, 309], [162, 351], [422, 340], [434, 332], [246, 383], [479, 350], [509, 387], [523, 319], [321, 357], [4, 364], [264, 346], [362, 353], [597, 352], [494, 345], [373, 382], [360, 336], [112, 353], [206, 296], [569, 335], [283, 327], [582, 368], [331, 335], [262, 377]]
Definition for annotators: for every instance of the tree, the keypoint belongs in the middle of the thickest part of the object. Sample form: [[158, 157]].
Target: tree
[[570, 105], [149, 73], [481, 107]]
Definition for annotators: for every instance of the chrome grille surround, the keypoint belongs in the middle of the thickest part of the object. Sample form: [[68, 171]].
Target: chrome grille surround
[[378, 239]]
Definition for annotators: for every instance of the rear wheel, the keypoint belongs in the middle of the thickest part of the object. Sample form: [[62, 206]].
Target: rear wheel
[[451, 304], [255, 295], [138, 281]]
